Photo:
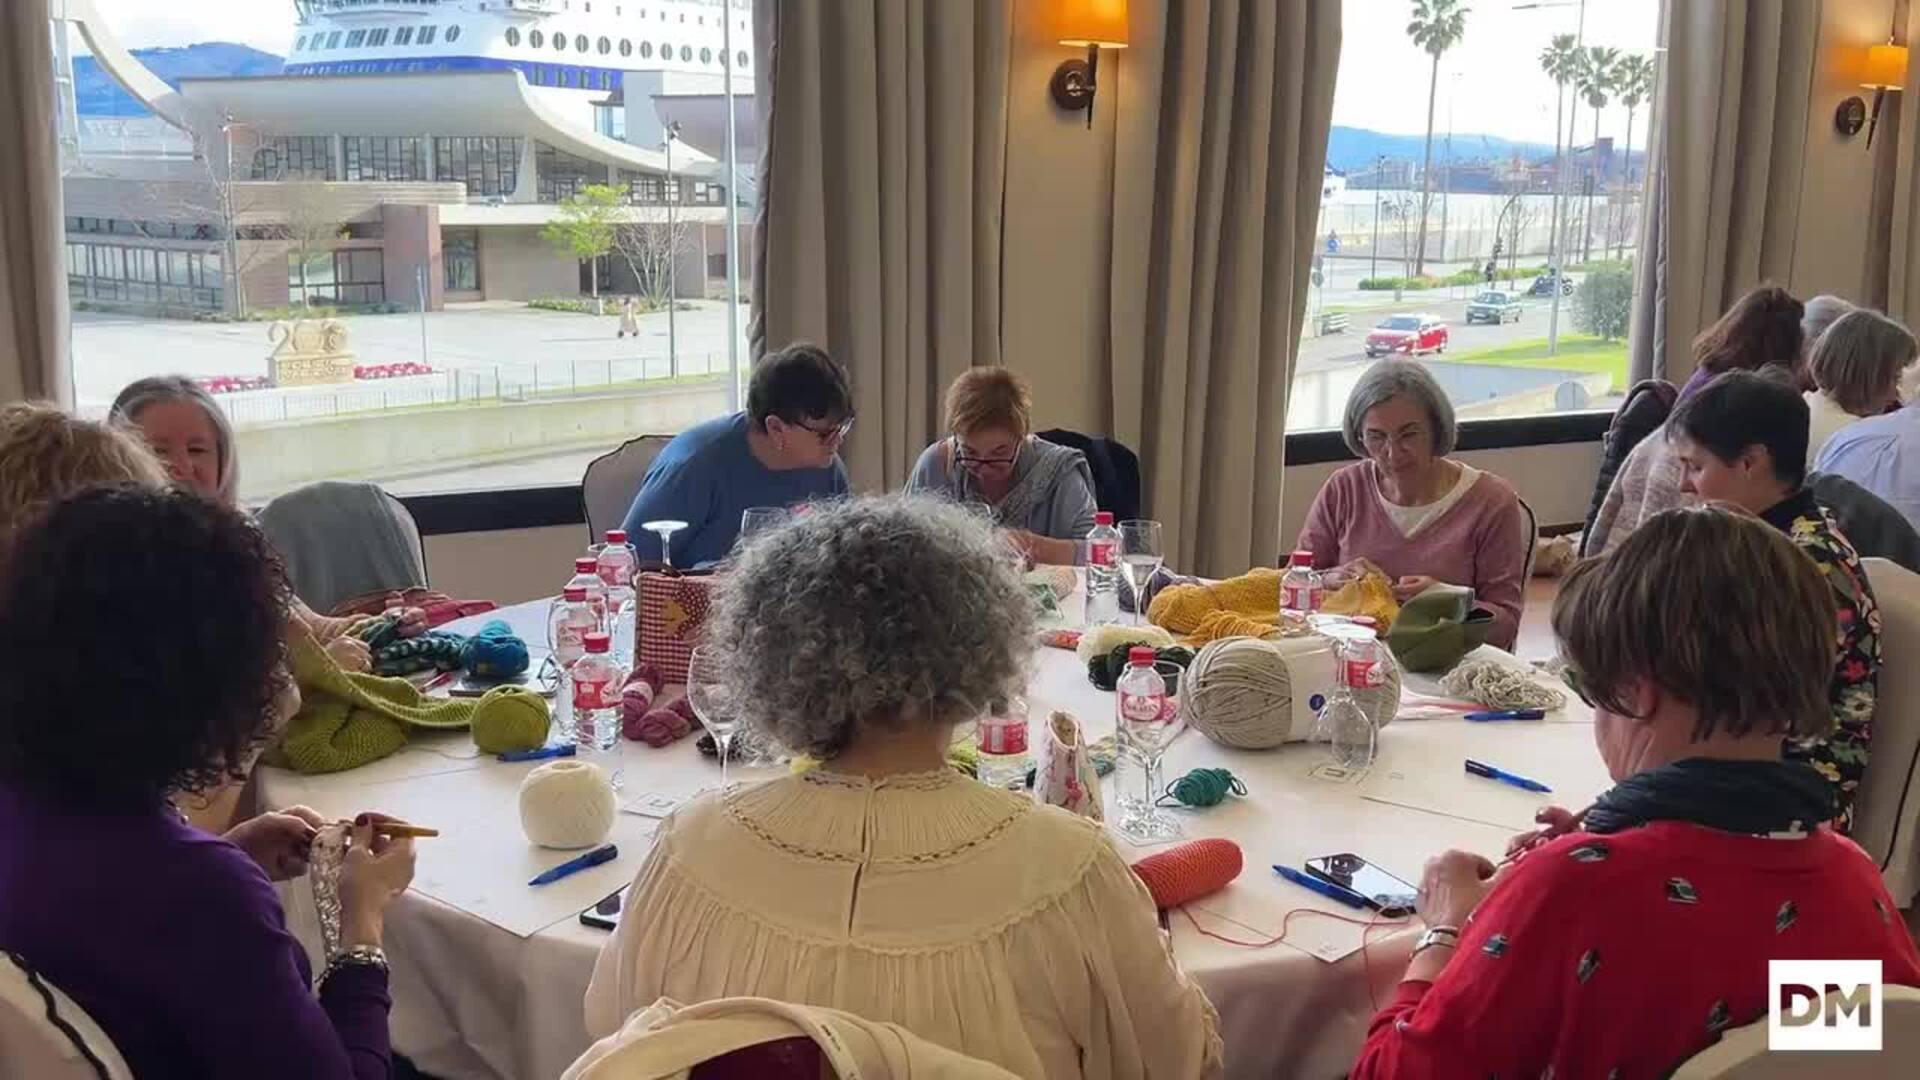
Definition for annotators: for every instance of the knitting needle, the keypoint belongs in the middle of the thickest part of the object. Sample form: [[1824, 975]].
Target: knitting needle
[[396, 829]]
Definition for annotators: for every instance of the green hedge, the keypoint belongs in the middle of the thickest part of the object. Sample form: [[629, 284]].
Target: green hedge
[[1471, 276]]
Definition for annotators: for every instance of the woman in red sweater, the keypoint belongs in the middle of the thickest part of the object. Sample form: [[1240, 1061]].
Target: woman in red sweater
[[1625, 944], [1411, 510]]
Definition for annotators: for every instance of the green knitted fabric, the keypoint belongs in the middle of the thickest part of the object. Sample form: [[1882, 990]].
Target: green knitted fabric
[[348, 720]]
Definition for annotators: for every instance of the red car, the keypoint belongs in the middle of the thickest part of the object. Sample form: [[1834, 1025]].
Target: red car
[[1408, 335]]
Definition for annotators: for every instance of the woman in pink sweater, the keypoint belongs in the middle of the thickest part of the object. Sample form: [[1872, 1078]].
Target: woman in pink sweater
[[1414, 512]]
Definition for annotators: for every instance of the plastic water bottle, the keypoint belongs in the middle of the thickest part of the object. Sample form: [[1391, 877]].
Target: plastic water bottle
[[569, 622], [615, 566], [586, 575], [1300, 587], [1001, 738], [596, 682], [1103, 571], [1351, 737]]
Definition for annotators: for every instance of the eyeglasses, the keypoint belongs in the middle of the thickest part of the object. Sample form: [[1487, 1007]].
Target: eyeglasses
[[827, 435], [1376, 441], [970, 462]]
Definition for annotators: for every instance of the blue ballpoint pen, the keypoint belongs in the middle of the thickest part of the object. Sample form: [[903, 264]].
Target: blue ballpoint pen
[[604, 853], [1507, 714], [1481, 768], [1325, 888], [540, 753]]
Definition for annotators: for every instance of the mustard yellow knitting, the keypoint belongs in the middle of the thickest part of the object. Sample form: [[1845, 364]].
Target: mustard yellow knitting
[[347, 720], [1369, 594], [1249, 605]]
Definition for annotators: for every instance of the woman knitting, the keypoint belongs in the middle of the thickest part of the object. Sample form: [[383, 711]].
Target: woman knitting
[[885, 883], [1040, 492], [1408, 508], [182, 954]]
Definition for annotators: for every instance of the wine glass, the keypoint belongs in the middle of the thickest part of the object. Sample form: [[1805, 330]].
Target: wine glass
[[1147, 732], [1140, 559], [758, 519], [664, 530], [712, 701]]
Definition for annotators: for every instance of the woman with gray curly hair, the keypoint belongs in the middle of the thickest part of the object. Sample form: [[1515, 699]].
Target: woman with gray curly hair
[[884, 883]]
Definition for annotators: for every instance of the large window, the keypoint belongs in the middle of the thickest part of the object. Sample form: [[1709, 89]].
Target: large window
[[1456, 241], [489, 165], [377, 157], [491, 364]]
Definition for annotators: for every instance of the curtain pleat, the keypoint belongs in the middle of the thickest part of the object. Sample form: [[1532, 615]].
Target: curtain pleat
[[34, 321]]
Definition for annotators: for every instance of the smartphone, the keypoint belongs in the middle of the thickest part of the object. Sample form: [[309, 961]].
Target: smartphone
[[477, 685], [605, 915], [1382, 891]]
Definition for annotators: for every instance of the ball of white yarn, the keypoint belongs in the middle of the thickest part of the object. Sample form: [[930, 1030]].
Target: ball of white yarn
[[567, 804], [1239, 692]]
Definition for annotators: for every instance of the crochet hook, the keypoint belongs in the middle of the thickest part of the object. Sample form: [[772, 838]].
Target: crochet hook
[[603, 854], [1507, 714], [396, 829]]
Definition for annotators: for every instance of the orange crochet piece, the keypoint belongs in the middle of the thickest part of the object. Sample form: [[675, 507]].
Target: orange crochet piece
[[1186, 872]]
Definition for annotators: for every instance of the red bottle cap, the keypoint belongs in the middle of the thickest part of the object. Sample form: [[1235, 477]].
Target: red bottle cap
[[1141, 654], [584, 564], [616, 536], [1103, 517], [574, 592], [1301, 558], [596, 641]]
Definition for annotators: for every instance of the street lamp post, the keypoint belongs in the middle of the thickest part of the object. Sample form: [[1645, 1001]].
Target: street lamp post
[[1558, 269], [1373, 252], [672, 191]]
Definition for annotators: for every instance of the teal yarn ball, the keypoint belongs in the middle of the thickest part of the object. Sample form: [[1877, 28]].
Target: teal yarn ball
[[495, 652], [510, 718]]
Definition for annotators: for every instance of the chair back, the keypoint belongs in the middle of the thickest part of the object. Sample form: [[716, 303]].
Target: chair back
[[1115, 468], [45, 1035], [1886, 809], [1529, 540], [1742, 1054], [613, 479], [345, 539]]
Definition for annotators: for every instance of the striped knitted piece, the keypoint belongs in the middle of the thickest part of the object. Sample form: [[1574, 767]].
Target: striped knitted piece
[[348, 720]]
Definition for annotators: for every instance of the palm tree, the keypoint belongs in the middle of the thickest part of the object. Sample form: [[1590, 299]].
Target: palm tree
[[1634, 81], [1437, 25], [1595, 81], [1561, 61]]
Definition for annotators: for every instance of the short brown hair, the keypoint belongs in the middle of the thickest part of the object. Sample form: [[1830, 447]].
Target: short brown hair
[[1858, 361], [47, 455], [1717, 608], [1762, 328], [989, 397]]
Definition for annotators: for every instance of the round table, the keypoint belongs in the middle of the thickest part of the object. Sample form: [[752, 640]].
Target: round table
[[489, 974]]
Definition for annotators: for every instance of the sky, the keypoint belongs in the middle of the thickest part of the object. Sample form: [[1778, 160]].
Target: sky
[[1491, 82]]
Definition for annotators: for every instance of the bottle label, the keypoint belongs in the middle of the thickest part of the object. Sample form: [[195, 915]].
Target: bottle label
[[1298, 597], [1360, 674], [593, 694], [1145, 708], [1100, 553], [613, 574], [1007, 737]]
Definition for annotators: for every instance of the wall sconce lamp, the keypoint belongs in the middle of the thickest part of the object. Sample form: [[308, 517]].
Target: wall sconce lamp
[[1096, 25], [1885, 69]]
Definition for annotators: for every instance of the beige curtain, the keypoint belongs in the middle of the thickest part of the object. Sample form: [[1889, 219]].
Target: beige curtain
[[1225, 107], [881, 198], [34, 361], [1894, 256], [1728, 152]]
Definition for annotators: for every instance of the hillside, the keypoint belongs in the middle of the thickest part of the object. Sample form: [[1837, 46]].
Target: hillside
[[99, 95], [1349, 148]]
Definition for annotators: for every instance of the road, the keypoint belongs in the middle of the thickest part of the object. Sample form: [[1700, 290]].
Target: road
[[1334, 350]]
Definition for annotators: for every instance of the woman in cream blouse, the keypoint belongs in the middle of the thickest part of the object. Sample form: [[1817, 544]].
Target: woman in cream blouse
[[884, 883]]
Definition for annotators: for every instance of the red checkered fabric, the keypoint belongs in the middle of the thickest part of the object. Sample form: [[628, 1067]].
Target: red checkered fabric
[[673, 620]]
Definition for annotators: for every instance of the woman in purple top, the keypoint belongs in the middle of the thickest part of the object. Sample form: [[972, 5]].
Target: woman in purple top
[[1416, 513], [142, 634]]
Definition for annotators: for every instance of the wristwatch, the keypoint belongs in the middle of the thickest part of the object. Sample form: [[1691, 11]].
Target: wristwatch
[[1437, 935]]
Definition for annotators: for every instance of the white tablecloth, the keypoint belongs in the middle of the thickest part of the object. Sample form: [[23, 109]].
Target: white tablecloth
[[473, 998]]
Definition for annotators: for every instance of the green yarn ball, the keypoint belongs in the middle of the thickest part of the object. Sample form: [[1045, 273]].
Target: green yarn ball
[[510, 718]]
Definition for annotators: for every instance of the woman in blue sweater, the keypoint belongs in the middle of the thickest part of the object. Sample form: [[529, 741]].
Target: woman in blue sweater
[[142, 640]]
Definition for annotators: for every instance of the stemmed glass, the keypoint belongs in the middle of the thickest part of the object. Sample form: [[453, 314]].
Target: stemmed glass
[[1140, 559], [664, 530], [712, 701], [758, 519], [1147, 733]]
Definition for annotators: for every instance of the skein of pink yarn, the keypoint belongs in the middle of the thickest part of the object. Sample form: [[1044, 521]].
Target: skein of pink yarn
[[636, 698]]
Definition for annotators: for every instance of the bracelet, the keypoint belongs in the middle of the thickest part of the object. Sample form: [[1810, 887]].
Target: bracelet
[[357, 956], [1447, 936]]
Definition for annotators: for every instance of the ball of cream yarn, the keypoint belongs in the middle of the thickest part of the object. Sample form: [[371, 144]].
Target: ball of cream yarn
[[1238, 692], [567, 804]]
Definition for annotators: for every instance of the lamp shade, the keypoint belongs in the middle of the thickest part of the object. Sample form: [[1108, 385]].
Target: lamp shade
[[1886, 68], [1100, 22]]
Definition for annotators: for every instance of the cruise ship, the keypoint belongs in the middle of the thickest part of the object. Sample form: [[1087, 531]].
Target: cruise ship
[[572, 53]]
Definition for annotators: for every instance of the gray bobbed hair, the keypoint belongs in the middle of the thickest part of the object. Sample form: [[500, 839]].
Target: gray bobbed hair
[[869, 613], [1389, 379], [140, 394]]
